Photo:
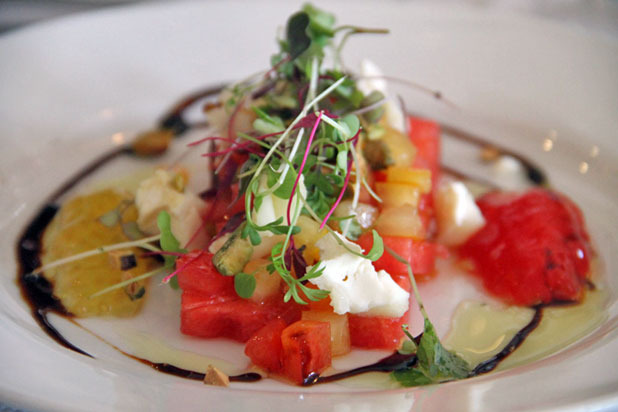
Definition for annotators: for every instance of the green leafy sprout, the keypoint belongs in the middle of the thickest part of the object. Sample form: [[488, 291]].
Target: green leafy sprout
[[435, 363], [308, 130]]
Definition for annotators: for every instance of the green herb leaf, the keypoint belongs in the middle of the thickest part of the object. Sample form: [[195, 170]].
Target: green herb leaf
[[244, 284], [352, 124], [253, 235], [297, 37], [437, 362], [407, 347], [321, 22], [411, 377], [284, 191], [342, 160], [168, 241], [377, 249]]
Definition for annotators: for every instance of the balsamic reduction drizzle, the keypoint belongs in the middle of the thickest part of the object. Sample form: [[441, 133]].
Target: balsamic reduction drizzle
[[38, 292], [491, 363], [396, 361]]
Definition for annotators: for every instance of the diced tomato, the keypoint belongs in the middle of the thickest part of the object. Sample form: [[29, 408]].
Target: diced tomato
[[230, 317], [378, 332], [200, 275], [420, 253], [306, 349], [265, 349], [533, 249]]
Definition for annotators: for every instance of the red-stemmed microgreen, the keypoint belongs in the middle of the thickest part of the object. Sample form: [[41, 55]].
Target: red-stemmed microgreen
[[176, 271], [345, 186]]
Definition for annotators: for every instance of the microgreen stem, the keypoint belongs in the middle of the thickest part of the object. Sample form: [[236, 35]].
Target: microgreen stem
[[417, 294], [302, 165], [299, 138], [357, 183], [126, 282], [369, 108], [370, 190], [181, 268], [285, 134], [345, 185], [97, 251]]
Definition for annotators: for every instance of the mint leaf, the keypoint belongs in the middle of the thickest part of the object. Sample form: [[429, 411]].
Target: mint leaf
[[437, 362], [244, 284], [411, 377]]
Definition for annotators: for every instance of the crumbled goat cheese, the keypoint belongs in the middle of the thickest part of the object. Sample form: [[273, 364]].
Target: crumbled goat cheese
[[458, 215], [156, 194], [354, 284]]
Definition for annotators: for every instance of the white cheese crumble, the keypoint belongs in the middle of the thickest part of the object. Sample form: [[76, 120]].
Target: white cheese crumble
[[354, 284], [372, 79], [155, 194], [458, 215]]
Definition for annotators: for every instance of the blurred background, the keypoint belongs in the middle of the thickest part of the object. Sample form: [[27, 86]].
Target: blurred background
[[596, 15]]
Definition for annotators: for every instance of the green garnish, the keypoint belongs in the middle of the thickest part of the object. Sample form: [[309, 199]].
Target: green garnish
[[304, 141], [244, 284], [168, 243], [435, 363]]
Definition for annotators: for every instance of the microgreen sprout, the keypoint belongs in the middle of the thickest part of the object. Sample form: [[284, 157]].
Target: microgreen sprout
[[127, 282], [94, 252]]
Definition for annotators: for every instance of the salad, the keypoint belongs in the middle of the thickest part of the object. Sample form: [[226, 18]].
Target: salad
[[328, 206]]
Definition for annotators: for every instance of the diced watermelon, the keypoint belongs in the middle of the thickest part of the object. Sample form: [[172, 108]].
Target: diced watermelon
[[306, 349], [235, 318], [374, 332], [533, 249], [425, 134], [378, 332], [200, 275], [420, 253], [265, 349]]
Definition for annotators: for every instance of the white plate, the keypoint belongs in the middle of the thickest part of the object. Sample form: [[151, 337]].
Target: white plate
[[70, 87]]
